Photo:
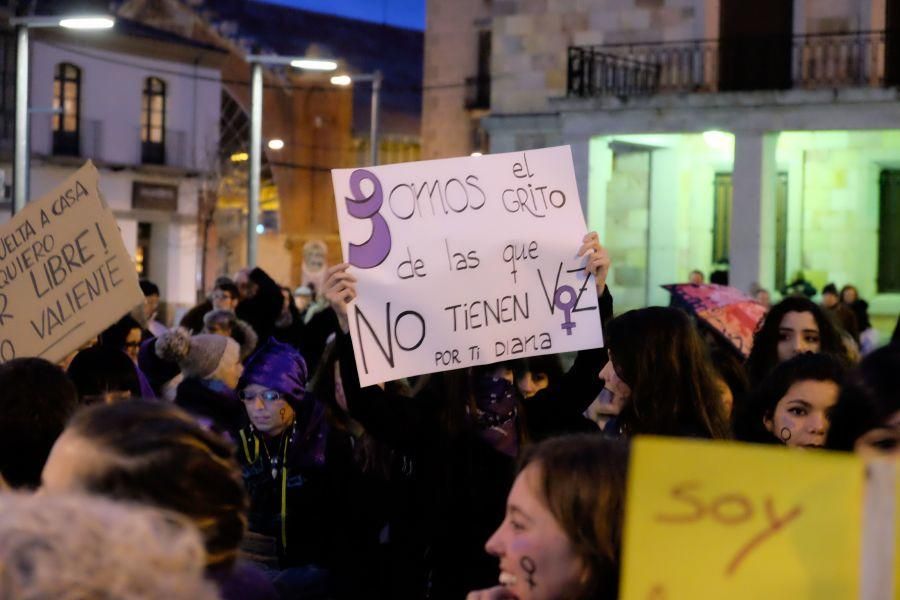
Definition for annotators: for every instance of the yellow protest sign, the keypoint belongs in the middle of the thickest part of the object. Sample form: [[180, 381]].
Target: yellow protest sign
[[728, 520], [65, 274]]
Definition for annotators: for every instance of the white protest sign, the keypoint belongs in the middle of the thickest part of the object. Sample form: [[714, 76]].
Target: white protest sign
[[465, 261], [65, 274]]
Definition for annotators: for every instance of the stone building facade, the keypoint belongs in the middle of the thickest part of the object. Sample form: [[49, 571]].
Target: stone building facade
[[763, 134]]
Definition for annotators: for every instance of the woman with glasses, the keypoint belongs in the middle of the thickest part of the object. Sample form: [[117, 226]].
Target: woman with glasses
[[301, 478]]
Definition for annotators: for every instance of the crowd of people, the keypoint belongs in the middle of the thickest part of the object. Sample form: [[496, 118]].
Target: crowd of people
[[237, 455]]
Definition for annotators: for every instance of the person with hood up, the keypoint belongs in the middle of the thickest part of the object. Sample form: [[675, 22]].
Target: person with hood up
[[225, 322], [261, 306], [300, 474]]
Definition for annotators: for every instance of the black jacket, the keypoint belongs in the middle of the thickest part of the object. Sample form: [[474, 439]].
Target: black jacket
[[263, 309], [320, 523], [458, 483]]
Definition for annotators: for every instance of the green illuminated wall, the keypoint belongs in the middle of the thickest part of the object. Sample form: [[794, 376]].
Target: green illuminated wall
[[651, 199]]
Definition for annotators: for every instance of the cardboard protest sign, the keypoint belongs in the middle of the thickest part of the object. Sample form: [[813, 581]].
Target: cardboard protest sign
[[465, 261], [727, 520], [65, 274]]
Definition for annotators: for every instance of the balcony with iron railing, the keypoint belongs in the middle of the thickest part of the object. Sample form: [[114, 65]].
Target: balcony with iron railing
[[171, 152], [86, 142], [815, 61], [91, 140]]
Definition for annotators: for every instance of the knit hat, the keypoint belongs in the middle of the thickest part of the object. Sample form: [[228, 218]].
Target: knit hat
[[279, 367], [199, 355]]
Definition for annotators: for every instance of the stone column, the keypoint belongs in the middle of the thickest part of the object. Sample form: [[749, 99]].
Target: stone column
[[752, 252], [662, 259], [600, 159]]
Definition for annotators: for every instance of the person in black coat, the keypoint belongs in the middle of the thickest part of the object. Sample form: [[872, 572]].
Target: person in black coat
[[224, 296], [463, 431], [262, 306], [301, 478]]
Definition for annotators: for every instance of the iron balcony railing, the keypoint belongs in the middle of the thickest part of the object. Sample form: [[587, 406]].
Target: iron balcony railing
[[855, 59], [173, 151]]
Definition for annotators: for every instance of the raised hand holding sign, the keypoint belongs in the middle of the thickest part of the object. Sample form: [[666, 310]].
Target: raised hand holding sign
[[466, 261]]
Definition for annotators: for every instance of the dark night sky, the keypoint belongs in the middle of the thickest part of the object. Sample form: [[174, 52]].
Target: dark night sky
[[401, 13]]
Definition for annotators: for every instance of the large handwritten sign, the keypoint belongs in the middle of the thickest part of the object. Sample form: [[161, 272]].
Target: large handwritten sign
[[65, 274], [465, 261], [725, 520]]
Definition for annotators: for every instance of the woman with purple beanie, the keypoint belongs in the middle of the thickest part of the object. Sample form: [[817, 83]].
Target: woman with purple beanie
[[299, 473]]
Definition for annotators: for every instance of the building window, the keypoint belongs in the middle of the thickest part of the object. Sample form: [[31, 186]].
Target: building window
[[889, 232], [142, 250], [153, 121], [67, 100], [722, 200], [478, 88], [721, 217]]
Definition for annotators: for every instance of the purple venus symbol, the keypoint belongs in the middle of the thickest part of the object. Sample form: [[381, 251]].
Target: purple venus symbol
[[566, 306]]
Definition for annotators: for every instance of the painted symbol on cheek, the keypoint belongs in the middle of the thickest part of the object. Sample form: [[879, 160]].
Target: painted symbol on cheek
[[785, 434], [527, 564]]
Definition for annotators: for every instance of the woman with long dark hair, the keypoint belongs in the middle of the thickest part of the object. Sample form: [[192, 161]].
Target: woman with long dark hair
[[793, 326], [659, 370], [793, 405]]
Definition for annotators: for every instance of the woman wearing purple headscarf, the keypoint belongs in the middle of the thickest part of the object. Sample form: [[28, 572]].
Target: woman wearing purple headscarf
[[299, 473]]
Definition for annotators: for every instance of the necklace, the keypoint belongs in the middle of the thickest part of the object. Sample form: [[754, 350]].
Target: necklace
[[273, 460]]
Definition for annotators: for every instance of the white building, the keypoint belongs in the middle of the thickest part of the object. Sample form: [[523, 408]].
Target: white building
[[766, 133], [144, 106]]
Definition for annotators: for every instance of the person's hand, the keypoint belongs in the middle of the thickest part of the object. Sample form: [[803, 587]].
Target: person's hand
[[340, 290], [495, 593], [597, 260]]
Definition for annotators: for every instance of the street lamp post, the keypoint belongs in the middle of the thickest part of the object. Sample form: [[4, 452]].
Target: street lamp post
[[255, 151], [376, 78], [22, 139]]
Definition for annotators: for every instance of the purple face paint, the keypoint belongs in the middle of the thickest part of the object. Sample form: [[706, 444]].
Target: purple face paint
[[527, 564], [496, 412]]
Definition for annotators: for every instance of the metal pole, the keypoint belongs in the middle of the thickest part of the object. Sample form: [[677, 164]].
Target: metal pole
[[256, 102], [20, 168], [373, 133]]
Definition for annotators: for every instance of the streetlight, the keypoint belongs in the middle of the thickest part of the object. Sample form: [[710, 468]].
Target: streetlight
[[376, 78], [256, 105], [22, 25]]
